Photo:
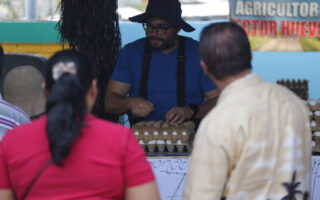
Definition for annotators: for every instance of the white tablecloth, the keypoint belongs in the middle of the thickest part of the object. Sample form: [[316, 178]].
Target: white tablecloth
[[171, 174]]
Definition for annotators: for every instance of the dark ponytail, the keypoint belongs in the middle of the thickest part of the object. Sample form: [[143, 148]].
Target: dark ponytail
[[66, 106]]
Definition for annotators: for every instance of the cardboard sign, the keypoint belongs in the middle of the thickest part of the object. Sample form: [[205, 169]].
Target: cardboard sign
[[315, 178], [170, 175]]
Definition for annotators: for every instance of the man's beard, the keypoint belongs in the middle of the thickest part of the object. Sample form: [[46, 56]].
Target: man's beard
[[166, 44]]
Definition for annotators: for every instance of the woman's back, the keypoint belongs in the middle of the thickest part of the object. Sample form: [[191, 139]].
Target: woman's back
[[103, 161], [70, 154]]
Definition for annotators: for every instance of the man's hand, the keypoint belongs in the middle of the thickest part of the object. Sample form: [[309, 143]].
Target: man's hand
[[140, 107], [178, 115]]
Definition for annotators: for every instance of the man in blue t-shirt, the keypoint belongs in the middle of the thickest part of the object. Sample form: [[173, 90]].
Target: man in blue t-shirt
[[162, 72]]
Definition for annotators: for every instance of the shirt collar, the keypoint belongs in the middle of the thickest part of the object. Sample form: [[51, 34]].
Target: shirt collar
[[239, 84]]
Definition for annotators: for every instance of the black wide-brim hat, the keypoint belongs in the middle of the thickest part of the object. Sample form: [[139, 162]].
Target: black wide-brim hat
[[169, 10]]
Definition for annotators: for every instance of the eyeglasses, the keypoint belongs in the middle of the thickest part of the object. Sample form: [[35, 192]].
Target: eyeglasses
[[160, 29]]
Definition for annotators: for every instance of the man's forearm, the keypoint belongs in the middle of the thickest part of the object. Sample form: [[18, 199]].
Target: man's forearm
[[117, 104], [206, 107]]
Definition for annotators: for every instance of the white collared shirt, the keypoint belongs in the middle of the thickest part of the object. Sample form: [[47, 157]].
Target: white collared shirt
[[251, 144]]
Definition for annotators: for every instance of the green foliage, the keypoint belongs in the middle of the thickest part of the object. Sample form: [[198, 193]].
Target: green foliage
[[139, 6], [257, 42], [310, 44]]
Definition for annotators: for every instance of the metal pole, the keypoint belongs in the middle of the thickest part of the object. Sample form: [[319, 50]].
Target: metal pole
[[50, 9], [31, 9]]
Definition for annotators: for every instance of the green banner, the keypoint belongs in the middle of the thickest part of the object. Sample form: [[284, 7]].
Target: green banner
[[28, 32]]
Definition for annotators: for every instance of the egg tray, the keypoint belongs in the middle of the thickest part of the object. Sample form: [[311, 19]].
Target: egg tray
[[299, 87], [313, 104], [158, 138], [168, 150], [316, 142], [314, 113]]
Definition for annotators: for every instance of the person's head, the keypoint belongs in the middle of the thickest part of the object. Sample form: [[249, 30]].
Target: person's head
[[72, 92], [224, 50], [160, 34], [22, 87], [162, 21]]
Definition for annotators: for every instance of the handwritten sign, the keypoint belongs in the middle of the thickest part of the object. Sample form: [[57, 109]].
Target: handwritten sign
[[315, 178], [171, 174]]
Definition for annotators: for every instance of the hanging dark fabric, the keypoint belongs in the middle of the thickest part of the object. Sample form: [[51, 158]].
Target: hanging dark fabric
[[181, 73], [146, 60]]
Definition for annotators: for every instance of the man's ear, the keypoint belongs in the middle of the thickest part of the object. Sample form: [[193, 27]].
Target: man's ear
[[177, 30], [45, 91], [204, 68], [93, 91], [92, 95]]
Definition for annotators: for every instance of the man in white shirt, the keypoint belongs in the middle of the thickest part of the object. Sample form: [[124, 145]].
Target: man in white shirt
[[256, 143]]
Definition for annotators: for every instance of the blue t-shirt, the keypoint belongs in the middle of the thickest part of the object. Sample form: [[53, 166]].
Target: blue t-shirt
[[162, 82]]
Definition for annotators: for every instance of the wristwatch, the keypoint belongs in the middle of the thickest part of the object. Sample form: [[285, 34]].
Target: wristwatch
[[195, 109]]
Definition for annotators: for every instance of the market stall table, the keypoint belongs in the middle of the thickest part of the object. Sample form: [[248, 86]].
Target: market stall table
[[171, 174]]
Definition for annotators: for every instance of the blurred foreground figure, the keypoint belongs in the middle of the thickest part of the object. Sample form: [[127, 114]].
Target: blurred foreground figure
[[256, 143], [22, 86], [10, 115], [69, 153]]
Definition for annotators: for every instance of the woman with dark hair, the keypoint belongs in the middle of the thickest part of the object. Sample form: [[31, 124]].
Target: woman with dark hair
[[70, 154]]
